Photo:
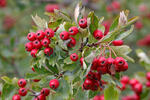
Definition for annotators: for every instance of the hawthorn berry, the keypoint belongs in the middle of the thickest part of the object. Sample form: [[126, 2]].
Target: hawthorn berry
[[109, 8], [115, 5], [99, 97], [45, 42], [102, 61], [31, 36], [124, 67], [48, 51], [72, 42], [148, 84], [40, 97], [33, 69], [29, 46], [98, 34], [73, 30], [22, 83], [95, 86], [45, 91], [94, 64], [2, 3], [36, 80], [148, 76], [117, 42], [125, 80], [40, 34], [123, 86], [81, 61], [22, 92], [49, 33], [37, 44], [138, 25], [74, 57], [138, 88], [102, 69], [90, 75], [88, 83], [34, 52], [110, 61], [51, 7], [83, 23], [97, 76], [54, 83], [133, 82], [64, 35], [16, 97], [119, 61]]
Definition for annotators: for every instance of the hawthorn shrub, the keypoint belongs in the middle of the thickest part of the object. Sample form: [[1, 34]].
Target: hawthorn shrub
[[75, 59]]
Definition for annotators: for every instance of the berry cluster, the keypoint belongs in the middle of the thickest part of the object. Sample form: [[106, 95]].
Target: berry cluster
[[38, 40]]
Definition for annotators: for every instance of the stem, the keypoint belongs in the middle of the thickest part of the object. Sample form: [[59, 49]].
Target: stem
[[114, 52], [109, 51]]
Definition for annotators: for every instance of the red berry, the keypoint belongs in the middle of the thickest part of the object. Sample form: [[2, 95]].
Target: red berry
[[37, 44], [51, 7], [125, 80], [98, 34], [138, 88], [110, 61], [102, 69], [2, 3], [99, 97], [124, 67], [36, 80], [22, 92], [148, 76], [54, 83], [40, 34], [73, 30], [48, 51], [148, 84], [29, 46], [138, 25], [49, 32], [132, 82], [74, 57], [106, 24], [72, 42], [40, 97], [117, 42], [33, 69], [95, 86], [34, 52], [22, 83], [94, 64], [97, 76], [83, 23], [45, 42], [64, 35], [81, 61], [88, 83], [102, 61], [90, 75], [116, 5], [123, 86], [31, 36], [45, 91], [119, 61], [16, 97], [109, 8]]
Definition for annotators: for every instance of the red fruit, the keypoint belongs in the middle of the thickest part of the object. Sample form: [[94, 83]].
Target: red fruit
[[40, 97], [72, 42], [45, 42], [40, 34], [81, 61], [107, 26], [48, 51], [90, 75], [29, 46], [16, 97], [110, 61], [115, 5], [109, 8], [117, 42], [51, 7], [37, 44], [33, 69], [102, 69], [22, 83], [123, 86], [148, 76], [8, 22], [99, 97], [73, 30], [64, 35], [124, 67], [49, 32], [119, 61], [22, 92], [133, 82], [148, 84], [143, 8], [97, 76], [102, 61], [34, 52], [88, 83], [94, 64], [83, 23], [31, 36], [45, 91], [74, 57], [138, 25], [54, 83], [95, 86], [98, 34], [36, 80], [138, 88], [2, 3], [125, 80]]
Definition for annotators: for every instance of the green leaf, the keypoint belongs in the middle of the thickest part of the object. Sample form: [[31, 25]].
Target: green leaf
[[62, 15], [81, 95], [68, 60], [111, 93], [6, 79], [132, 20], [77, 12], [92, 94], [68, 25], [54, 24], [114, 24]]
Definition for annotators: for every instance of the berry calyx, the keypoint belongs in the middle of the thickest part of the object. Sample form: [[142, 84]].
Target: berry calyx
[[29, 46], [83, 23], [74, 57], [37, 44], [48, 51], [98, 34], [34, 52], [31, 36], [16, 97], [49, 33], [45, 91], [22, 83], [22, 91], [40, 34], [117, 42], [45, 42], [54, 83], [64, 35], [72, 42], [73, 30]]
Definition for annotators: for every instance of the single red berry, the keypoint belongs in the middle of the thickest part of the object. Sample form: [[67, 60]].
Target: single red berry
[[74, 57], [97, 76], [98, 34], [49, 32], [138, 25], [22, 83], [85, 87], [33, 69], [148, 76], [48, 51], [94, 64], [34, 52], [31, 36], [83, 23], [125, 80], [110, 61], [64, 35], [22, 92], [90, 75], [102, 61], [40, 97], [72, 42], [51, 7], [16, 97], [81, 61], [88, 83], [54, 83], [119, 61], [124, 67], [99, 97], [117, 42], [95, 86], [37, 44], [36, 80], [115, 5], [143, 8], [3, 3], [73, 30], [109, 8], [133, 81], [138, 88], [45, 42], [106, 24], [102, 69], [29, 46], [148, 84], [45, 91], [40, 34]]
